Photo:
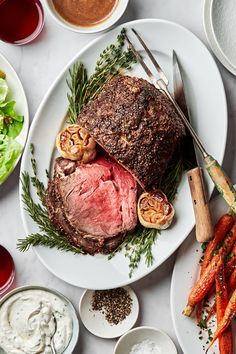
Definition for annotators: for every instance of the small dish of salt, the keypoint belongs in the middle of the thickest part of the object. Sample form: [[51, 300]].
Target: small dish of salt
[[145, 340]]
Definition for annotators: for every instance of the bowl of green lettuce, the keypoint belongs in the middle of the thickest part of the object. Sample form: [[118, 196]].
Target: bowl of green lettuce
[[11, 124]]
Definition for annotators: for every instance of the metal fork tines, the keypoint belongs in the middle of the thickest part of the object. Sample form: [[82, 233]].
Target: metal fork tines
[[153, 60], [161, 83]]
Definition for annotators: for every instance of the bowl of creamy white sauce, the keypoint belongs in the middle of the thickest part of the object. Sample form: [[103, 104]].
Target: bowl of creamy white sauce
[[27, 322]]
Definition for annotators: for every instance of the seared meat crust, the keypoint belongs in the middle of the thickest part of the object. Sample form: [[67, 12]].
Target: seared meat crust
[[137, 125]]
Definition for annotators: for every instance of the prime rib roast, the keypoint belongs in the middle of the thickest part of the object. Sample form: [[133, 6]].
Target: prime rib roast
[[137, 125], [94, 204]]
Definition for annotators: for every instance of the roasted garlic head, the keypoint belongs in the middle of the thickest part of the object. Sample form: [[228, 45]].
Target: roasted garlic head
[[75, 143], [154, 210]]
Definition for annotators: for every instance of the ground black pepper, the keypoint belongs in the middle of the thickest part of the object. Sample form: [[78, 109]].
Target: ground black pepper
[[115, 304]]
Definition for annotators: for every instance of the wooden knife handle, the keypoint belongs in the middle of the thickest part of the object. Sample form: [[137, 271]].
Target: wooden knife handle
[[221, 181], [204, 227]]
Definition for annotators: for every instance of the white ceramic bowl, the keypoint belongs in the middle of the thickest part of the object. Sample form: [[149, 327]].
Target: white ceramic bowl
[[220, 24], [102, 26], [95, 321], [139, 334], [75, 334]]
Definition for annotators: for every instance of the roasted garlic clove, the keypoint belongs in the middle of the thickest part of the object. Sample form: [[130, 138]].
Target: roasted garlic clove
[[154, 210], [75, 143]]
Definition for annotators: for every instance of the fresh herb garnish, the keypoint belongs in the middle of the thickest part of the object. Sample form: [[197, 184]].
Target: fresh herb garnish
[[204, 246], [202, 324], [111, 62], [210, 334], [229, 256], [137, 244]]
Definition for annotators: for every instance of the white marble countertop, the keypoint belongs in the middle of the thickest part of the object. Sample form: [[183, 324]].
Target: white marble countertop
[[37, 66]]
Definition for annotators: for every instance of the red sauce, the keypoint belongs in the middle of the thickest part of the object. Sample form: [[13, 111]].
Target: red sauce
[[20, 20], [85, 13], [7, 269]]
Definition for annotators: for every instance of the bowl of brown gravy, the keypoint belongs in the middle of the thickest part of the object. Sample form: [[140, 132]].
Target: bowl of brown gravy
[[86, 16]]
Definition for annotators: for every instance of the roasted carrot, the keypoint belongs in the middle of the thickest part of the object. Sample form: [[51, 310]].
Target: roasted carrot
[[229, 268], [203, 285], [226, 339], [229, 314], [232, 282], [207, 279], [231, 263], [222, 227], [231, 286]]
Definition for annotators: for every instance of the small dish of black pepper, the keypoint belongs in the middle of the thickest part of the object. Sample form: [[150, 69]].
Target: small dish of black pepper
[[109, 313]]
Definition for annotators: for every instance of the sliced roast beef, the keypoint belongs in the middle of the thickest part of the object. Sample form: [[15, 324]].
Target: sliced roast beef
[[93, 204], [137, 125]]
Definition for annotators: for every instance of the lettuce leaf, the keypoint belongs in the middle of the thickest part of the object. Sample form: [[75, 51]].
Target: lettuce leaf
[[10, 122], [9, 153], [3, 90]]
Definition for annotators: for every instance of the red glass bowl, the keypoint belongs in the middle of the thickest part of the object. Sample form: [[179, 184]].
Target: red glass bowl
[[21, 21], [7, 270]]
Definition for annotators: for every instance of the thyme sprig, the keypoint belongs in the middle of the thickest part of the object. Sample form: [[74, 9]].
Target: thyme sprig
[[112, 61], [136, 245], [49, 236]]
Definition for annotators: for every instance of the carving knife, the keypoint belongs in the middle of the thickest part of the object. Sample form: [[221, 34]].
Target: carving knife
[[215, 171], [204, 226]]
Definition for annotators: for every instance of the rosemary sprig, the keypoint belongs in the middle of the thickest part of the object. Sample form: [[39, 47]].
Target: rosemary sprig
[[50, 237], [82, 90], [77, 86]]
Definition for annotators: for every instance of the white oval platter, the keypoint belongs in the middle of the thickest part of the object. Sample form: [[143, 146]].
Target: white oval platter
[[206, 98]]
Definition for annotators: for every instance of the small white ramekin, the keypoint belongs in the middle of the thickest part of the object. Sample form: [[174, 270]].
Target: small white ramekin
[[102, 26], [139, 334]]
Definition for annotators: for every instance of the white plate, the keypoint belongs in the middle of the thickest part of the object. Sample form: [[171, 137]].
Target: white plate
[[95, 321], [220, 27], [16, 92], [206, 97], [184, 276]]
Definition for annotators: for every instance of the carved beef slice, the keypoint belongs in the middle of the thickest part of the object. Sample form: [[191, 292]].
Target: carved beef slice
[[92, 204]]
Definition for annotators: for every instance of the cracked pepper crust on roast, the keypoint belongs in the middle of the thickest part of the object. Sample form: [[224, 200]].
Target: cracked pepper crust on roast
[[135, 124]]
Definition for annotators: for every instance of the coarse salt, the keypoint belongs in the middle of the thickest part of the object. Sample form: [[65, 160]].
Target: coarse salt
[[145, 347]]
